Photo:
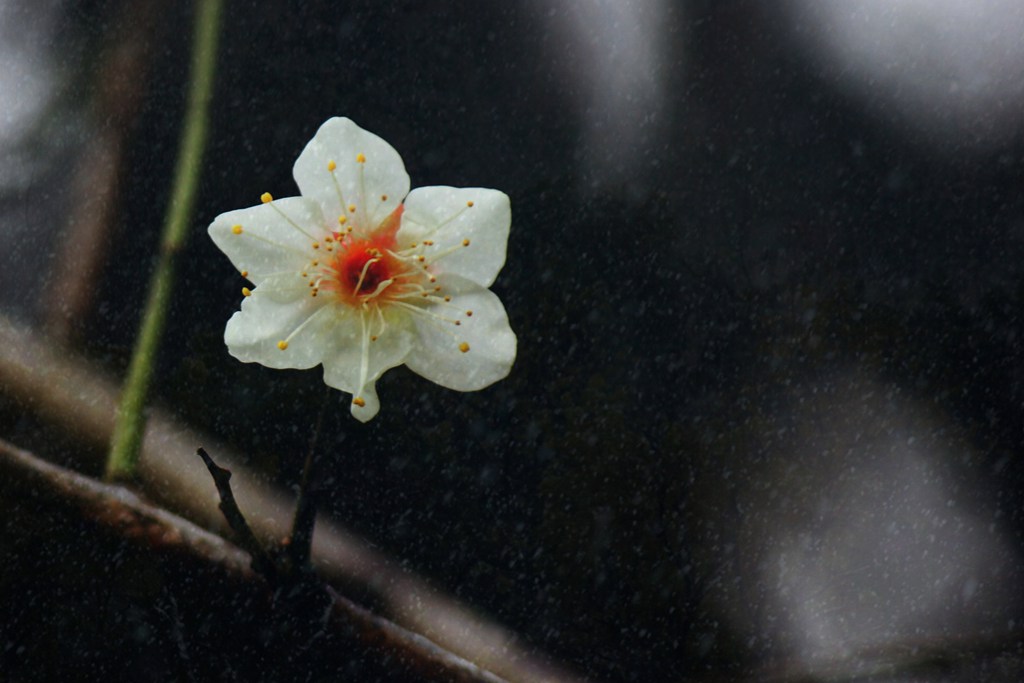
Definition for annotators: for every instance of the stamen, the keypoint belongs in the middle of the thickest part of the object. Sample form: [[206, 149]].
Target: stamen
[[276, 245], [290, 221], [433, 229], [246, 291], [283, 344], [422, 311], [367, 219], [331, 166], [364, 361], [463, 347], [266, 197], [236, 229], [337, 189]]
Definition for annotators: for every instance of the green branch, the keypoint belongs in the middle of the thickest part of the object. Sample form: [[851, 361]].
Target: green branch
[[131, 420]]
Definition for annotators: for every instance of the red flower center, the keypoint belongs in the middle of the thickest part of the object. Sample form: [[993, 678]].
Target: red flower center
[[365, 266]]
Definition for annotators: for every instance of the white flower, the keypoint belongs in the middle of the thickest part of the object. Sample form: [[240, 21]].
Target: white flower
[[352, 277]]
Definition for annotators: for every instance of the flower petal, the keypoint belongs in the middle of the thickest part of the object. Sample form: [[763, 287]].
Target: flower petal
[[279, 309], [367, 173], [449, 216], [269, 238], [355, 365], [482, 348]]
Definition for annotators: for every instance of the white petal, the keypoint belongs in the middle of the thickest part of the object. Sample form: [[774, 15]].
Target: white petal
[[491, 343], [262, 239], [375, 186], [444, 215], [281, 308], [343, 368]]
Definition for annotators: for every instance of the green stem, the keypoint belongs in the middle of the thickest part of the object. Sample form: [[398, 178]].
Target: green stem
[[130, 424]]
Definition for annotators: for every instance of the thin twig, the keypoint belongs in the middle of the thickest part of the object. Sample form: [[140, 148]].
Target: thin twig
[[261, 562], [300, 542]]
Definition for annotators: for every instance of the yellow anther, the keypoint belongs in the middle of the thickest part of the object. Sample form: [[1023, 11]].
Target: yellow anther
[[383, 197], [314, 292], [315, 263], [245, 273], [358, 400], [282, 345], [342, 219], [246, 291], [429, 243], [266, 198], [330, 239], [316, 245], [463, 347], [351, 208], [361, 158], [465, 243], [469, 314], [447, 298], [469, 204], [237, 229], [331, 165], [373, 337], [421, 258]]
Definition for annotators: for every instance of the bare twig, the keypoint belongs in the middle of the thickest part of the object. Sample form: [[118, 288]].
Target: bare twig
[[261, 562], [300, 542]]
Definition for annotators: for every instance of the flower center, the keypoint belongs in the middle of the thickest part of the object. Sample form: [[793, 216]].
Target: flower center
[[364, 268], [368, 269]]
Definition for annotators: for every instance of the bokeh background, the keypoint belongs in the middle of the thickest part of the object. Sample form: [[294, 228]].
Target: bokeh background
[[766, 270]]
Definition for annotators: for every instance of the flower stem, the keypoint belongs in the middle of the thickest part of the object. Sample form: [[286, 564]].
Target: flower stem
[[131, 420]]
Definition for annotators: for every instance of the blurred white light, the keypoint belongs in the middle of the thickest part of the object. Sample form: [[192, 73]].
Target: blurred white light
[[864, 530], [952, 69], [26, 81], [613, 56]]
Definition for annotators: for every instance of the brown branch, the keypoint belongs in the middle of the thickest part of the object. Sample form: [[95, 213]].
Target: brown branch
[[119, 511]]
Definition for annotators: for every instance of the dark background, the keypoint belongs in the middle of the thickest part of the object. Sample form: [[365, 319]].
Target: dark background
[[770, 241]]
